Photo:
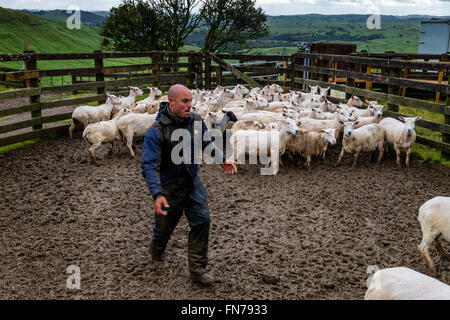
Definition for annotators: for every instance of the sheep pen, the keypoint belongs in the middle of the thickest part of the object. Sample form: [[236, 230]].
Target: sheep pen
[[298, 235]]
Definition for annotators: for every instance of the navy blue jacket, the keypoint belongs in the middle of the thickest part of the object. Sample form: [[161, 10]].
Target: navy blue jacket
[[158, 168]]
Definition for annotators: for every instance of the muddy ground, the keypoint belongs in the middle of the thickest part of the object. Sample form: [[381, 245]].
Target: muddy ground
[[298, 235]]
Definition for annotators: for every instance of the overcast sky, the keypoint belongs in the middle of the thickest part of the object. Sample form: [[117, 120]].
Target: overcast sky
[[273, 7]]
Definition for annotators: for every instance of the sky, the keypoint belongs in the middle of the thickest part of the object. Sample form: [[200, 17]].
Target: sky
[[273, 7]]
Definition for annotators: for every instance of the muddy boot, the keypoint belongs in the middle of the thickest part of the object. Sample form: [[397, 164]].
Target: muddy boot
[[157, 258], [197, 259]]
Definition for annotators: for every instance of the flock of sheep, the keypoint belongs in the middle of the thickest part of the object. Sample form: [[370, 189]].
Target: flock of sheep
[[305, 124]]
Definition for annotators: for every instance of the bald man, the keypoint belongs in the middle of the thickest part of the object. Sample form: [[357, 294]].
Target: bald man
[[176, 188]]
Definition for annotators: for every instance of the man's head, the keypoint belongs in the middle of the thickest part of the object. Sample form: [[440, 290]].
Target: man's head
[[180, 98]]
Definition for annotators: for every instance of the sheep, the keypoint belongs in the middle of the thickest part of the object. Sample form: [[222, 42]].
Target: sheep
[[401, 135], [367, 138], [227, 121], [222, 99], [377, 113], [239, 92], [288, 127], [249, 125], [316, 125], [88, 114], [434, 218], [134, 125], [402, 283], [143, 105], [311, 143], [103, 132], [128, 102]]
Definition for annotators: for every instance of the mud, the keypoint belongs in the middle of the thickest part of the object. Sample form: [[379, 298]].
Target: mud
[[298, 235]]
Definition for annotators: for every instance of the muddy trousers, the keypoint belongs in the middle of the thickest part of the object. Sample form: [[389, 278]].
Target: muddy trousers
[[199, 222]]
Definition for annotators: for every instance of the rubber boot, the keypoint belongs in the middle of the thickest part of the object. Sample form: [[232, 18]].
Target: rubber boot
[[197, 259], [157, 257]]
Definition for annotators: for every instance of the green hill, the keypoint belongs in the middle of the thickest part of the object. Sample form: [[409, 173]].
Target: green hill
[[46, 36]]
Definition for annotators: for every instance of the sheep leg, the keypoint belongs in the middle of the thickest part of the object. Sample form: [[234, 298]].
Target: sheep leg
[[423, 249], [308, 161], [112, 147], [398, 152], [356, 155], [440, 249], [72, 126], [408, 151], [130, 145], [380, 156], [340, 157], [92, 151]]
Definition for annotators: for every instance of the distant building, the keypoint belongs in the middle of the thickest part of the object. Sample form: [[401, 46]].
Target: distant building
[[434, 36]]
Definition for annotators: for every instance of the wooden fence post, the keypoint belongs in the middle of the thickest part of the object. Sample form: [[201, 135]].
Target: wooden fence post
[[191, 69], [219, 75], [294, 62], [199, 71], [394, 90], [207, 71], [284, 76], [31, 64], [99, 75], [446, 135], [155, 71], [350, 82], [74, 81]]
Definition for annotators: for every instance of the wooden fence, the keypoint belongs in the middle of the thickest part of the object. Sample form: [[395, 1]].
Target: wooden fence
[[384, 77]]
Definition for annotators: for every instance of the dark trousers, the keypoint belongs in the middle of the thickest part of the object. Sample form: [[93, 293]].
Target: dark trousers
[[199, 222]]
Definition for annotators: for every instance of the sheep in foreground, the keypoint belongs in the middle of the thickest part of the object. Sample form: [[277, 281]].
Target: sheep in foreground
[[87, 114], [434, 218], [259, 142], [402, 283], [367, 138], [134, 125], [401, 135], [103, 132]]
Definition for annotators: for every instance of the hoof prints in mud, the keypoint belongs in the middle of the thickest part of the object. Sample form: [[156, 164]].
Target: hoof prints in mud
[[298, 235]]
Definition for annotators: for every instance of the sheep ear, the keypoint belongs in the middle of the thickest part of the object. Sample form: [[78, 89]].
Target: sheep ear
[[222, 110], [418, 118], [355, 123], [401, 118]]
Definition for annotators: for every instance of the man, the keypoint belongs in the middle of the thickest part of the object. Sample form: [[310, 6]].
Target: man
[[176, 187]]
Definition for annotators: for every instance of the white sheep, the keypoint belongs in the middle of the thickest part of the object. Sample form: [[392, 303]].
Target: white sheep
[[434, 219], [143, 105], [367, 138], [134, 125], [257, 139], [128, 102], [92, 114], [310, 144], [103, 132], [401, 135], [402, 283]]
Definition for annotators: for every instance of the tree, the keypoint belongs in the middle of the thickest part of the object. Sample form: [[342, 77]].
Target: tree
[[133, 26], [178, 20], [232, 24], [138, 25]]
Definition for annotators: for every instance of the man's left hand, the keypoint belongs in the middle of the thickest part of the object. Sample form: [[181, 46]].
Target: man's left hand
[[229, 166]]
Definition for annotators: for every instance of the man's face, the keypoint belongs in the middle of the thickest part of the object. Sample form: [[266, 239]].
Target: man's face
[[181, 105]]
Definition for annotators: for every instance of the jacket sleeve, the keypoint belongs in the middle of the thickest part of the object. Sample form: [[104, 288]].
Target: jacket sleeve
[[207, 141], [151, 161]]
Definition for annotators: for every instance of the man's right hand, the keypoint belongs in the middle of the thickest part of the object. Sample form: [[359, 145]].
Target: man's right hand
[[160, 203]]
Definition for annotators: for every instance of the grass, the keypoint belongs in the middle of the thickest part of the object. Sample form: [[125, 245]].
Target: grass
[[6, 149], [4, 119]]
